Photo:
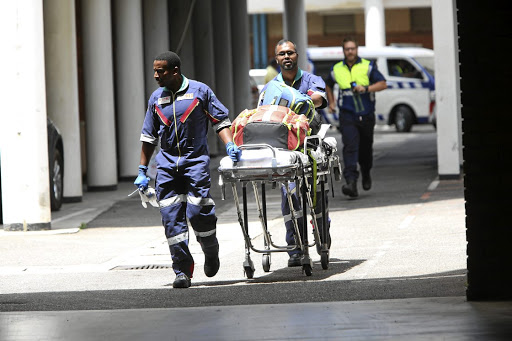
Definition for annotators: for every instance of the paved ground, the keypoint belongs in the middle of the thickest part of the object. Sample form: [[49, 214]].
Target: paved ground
[[397, 268]]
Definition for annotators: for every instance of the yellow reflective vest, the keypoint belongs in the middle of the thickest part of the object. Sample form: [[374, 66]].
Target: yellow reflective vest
[[360, 104], [359, 73]]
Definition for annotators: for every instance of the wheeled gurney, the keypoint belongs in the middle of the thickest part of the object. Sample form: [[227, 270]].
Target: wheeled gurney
[[263, 164]]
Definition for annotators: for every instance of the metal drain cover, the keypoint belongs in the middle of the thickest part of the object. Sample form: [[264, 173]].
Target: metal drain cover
[[143, 267]]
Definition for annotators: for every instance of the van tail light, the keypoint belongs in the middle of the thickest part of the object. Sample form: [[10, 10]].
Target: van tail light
[[431, 108]]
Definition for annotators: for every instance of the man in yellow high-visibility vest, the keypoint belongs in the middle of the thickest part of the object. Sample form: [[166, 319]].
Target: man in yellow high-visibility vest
[[358, 80]]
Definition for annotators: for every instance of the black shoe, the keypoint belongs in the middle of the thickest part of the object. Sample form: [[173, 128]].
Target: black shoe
[[182, 281], [367, 181], [211, 265], [350, 189], [294, 260]]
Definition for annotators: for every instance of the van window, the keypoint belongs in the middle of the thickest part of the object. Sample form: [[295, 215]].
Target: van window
[[403, 68], [427, 63]]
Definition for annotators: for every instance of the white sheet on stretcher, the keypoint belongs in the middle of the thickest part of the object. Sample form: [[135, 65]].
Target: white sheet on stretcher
[[262, 158]]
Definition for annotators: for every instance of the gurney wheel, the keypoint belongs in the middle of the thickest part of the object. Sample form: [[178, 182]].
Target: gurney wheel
[[319, 248], [306, 268], [249, 272], [324, 258], [266, 263]]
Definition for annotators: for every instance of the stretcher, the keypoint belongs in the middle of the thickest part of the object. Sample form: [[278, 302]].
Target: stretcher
[[263, 164]]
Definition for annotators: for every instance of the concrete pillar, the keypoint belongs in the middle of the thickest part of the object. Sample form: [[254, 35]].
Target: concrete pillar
[[294, 19], [263, 40], [180, 19], [203, 43], [62, 88], [205, 63], [375, 28], [129, 76], [222, 54], [241, 55], [99, 95], [156, 38], [24, 146], [255, 41], [448, 110]]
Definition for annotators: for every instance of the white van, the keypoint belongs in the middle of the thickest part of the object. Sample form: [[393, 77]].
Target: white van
[[409, 72]]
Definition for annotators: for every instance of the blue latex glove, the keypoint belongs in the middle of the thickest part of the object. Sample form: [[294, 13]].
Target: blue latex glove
[[233, 152], [142, 180]]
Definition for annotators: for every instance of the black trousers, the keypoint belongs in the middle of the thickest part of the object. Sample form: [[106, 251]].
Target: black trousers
[[357, 137]]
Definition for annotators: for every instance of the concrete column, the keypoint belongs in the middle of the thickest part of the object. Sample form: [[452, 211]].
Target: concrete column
[[222, 53], [375, 28], [24, 146], [156, 38], [62, 88], [263, 40], [448, 110], [241, 55], [203, 43], [256, 41], [294, 18], [129, 76], [180, 18], [99, 95], [205, 63]]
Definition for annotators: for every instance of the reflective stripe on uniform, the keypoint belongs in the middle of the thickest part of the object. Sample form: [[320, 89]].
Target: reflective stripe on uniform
[[206, 233], [318, 215], [288, 217], [172, 200], [149, 139], [178, 238], [225, 123], [200, 201], [293, 190]]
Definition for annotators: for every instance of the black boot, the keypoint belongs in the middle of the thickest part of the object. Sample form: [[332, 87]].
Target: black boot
[[181, 281], [211, 259], [211, 265], [350, 189], [294, 260], [367, 180]]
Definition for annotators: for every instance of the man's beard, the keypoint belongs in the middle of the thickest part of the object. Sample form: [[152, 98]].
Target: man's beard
[[289, 66]]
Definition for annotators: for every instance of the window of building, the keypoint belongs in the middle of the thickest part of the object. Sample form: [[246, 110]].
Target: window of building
[[421, 19], [341, 23]]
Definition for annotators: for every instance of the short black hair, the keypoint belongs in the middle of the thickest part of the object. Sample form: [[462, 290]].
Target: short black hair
[[284, 41], [171, 58], [347, 39]]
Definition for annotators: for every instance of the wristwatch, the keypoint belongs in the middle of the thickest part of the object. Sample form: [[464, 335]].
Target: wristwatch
[[366, 89]]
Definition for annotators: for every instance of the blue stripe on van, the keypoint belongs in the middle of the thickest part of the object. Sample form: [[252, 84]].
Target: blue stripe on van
[[406, 85]]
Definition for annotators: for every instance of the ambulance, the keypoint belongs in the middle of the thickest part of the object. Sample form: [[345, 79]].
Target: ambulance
[[409, 72]]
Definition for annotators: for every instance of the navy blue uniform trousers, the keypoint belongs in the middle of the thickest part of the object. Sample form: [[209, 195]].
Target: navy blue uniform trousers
[[357, 137], [297, 205]]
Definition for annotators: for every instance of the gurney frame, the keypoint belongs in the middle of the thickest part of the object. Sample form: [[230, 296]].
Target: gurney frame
[[302, 175]]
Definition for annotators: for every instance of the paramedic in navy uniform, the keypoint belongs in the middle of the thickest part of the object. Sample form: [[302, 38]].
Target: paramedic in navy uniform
[[178, 114], [313, 86]]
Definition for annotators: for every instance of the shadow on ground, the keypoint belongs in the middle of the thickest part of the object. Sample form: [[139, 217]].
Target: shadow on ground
[[296, 289]]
